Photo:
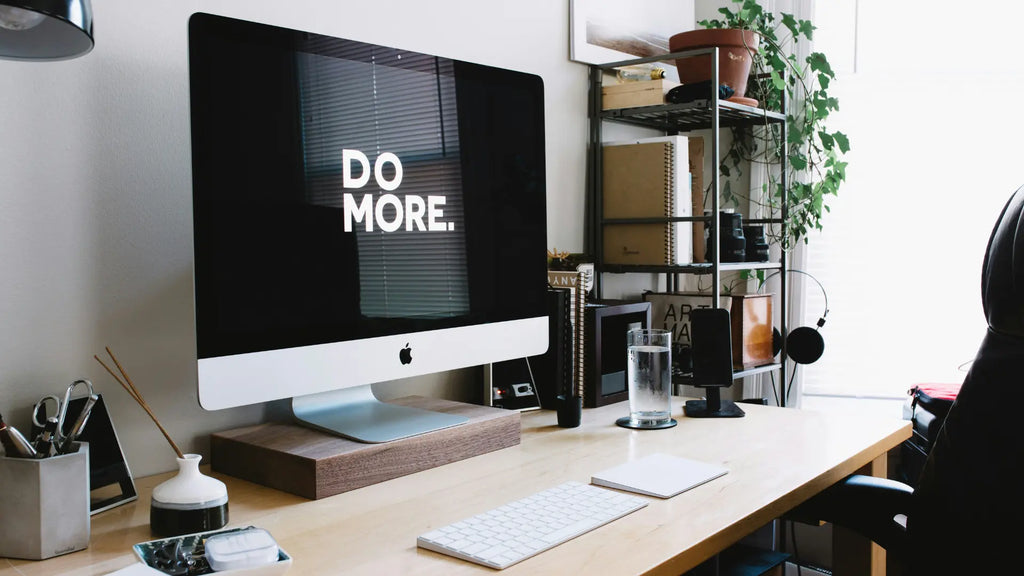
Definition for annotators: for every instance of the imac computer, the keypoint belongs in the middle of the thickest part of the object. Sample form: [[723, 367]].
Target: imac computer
[[361, 214]]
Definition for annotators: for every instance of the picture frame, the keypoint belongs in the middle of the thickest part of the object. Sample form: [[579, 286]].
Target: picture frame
[[602, 31], [607, 322], [111, 483]]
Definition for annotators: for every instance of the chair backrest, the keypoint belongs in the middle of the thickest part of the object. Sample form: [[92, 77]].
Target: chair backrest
[[972, 485]]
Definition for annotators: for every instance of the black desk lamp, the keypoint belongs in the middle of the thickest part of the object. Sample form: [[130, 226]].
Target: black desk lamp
[[45, 29]]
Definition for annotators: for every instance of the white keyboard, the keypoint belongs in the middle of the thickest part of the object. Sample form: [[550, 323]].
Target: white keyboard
[[511, 533]]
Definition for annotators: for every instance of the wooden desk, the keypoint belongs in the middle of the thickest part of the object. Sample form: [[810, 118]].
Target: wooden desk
[[777, 458]]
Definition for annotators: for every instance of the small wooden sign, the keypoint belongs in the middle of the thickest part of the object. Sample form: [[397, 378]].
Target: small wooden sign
[[751, 317]]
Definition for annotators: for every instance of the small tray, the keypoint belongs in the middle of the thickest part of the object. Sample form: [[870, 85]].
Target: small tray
[[157, 553]]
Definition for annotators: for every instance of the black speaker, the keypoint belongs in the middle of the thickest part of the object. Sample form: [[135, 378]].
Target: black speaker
[[552, 371]]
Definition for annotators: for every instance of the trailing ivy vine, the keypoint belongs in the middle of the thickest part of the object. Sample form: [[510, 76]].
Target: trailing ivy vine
[[815, 153]]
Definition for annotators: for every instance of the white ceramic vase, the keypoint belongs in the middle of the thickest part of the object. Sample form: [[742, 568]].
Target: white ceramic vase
[[189, 502]]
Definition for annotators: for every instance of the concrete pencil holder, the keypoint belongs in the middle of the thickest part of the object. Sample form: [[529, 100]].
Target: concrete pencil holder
[[49, 497]]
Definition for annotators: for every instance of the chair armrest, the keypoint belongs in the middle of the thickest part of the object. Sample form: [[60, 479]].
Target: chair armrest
[[865, 504]]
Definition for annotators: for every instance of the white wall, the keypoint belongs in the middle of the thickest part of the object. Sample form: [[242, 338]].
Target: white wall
[[95, 185]]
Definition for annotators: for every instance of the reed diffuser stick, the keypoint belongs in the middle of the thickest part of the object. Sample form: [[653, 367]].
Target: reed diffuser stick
[[134, 393]]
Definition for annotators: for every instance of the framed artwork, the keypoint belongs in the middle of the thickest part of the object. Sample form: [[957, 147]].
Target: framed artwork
[[604, 31]]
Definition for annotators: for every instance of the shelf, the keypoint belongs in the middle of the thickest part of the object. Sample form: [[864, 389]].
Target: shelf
[[688, 379], [699, 268], [709, 113], [694, 115], [668, 219]]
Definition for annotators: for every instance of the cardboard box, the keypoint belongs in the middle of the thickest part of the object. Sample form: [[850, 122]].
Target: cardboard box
[[634, 94], [751, 316]]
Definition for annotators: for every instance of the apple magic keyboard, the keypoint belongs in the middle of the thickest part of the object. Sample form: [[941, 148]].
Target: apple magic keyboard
[[515, 531]]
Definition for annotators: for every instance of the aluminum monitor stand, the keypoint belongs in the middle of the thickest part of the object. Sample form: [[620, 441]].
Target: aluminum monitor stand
[[357, 414]]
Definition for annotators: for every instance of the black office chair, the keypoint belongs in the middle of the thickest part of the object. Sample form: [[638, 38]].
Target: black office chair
[[965, 517]]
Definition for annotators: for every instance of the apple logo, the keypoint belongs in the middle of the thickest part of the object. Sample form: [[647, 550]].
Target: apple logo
[[405, 356]]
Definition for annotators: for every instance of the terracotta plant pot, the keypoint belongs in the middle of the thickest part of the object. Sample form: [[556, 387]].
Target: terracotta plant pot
[[736, 49]]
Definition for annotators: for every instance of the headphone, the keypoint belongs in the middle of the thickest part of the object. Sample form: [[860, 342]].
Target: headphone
[[804, 345]]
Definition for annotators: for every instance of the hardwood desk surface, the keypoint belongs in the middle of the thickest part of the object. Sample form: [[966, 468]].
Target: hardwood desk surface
[[776, 458]]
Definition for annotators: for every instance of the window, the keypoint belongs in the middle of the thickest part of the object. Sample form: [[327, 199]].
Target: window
[[935, 129]]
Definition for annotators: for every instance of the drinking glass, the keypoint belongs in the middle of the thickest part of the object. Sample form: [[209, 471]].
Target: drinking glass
[[649, 378]]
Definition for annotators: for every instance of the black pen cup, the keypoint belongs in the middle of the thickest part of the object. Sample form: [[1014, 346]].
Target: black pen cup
[[570, 411]]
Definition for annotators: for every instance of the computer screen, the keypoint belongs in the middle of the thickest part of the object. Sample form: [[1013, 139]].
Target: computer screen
[[360, 214]]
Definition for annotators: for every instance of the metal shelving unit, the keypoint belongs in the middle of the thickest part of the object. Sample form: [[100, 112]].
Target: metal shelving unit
[[708, 114]]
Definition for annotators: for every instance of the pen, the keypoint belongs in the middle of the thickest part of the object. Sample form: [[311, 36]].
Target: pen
[[45, 442], [15, 445]]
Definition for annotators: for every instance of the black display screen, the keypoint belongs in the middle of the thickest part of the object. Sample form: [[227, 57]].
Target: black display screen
[[345, 190]]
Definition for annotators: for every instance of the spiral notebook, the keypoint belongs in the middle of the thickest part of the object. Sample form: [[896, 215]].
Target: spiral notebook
[[660, 475], [647, 178]]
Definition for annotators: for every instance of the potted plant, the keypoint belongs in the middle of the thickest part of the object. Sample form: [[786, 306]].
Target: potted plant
[[737, 48], [815, 153]]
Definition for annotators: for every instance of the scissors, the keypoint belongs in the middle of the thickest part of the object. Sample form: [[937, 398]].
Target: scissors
[[41, 416]]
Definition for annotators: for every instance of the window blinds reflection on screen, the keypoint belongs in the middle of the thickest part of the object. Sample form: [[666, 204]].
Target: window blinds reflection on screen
[[378, 100]]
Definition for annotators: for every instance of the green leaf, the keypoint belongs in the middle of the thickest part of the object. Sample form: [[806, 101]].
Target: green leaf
[[820, 108], [807, 29], [827, 141], [753, 11], [798, 162], [790, 23], [842, 141], [840, 169], [777, 81], [819, 63]]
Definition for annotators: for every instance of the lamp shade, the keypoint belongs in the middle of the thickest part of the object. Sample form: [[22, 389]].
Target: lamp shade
[[45, 29]]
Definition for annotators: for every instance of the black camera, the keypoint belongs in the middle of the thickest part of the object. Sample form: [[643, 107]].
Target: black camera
[[730, 237]]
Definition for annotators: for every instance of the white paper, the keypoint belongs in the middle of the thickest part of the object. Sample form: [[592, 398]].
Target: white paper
[[660, 475], [136, 569]]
